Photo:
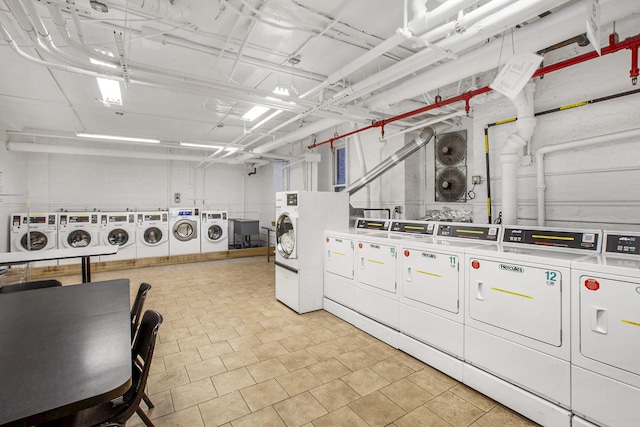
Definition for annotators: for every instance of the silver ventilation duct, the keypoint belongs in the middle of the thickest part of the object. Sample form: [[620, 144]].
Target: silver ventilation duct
[[413, 146]]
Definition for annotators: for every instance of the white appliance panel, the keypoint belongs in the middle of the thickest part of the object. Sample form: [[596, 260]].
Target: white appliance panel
[[442, 333], [339, 257], [378, 307], [118, 229], [519, 298], [184, 229], [152, 235], [376, 265], [288, 289], [340, 291]]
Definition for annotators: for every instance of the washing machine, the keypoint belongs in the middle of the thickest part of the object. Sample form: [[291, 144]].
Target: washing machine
[[34, 232], [215, 232], [605, 372], [184, 236], [342, 292], [517, 333], [118, 229], [152, 235], [301, 218], [431, 288], [77, 230]]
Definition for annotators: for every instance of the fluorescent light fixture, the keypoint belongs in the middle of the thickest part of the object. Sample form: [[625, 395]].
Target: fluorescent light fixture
[[117, 138], [281, 91], [110, 90], [102, 63], [254, 113], [211, 147]]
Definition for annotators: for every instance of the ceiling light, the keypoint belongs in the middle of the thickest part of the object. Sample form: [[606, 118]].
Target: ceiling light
[[280, 90], [117, 138], [104, 64], [254, 113], [211, 147], [110, 90]]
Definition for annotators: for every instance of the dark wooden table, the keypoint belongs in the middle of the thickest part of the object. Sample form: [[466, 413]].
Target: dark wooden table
[[14, 258], [63, 349]]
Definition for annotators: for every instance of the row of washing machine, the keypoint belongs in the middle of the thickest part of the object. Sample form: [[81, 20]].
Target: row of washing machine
[[543, 320], [177, 231]]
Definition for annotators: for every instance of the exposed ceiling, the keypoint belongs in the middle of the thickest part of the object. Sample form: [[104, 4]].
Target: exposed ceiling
[[190, 69]]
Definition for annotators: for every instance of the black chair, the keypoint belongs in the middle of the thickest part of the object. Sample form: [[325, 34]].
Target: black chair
[[117, 412], [136, 310], [27, 286]]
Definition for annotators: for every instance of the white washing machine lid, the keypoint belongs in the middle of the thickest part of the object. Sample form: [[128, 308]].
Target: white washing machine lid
[[185, 230]]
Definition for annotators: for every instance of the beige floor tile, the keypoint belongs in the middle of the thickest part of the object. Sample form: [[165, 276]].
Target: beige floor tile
[[453, 409], [298, 381], [231, 381], [296, 360], [324, 350], [269, 350], [271, 335], [157, 365], [380, 351], [376, 409], [229, 322], [296, 342], [166, 348], [206, 368], [185, 323], [267, 417], [355, 359], [193, 342], [329, 370], [193, 393], [203, 328], [249, 329], [299, 410], [410, 361], [321, 335], [163, 405], [183, 358], [214, 350], [343, 417], [189, 417], [239, 359], [391, 369], [244, 342], [334, 395], [167, 335], [350, 342], [266, 370], [500, 416], [365, 381], [223, 409], [472, 396], [406, 394], [435, 382], [222, 334], [167, 380], [264, 394], [296, 329], [421, 417]]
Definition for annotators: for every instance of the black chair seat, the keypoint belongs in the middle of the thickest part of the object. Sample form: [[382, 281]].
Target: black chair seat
[[28, 286]]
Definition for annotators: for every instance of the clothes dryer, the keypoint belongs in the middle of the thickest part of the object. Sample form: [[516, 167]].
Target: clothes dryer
[[118, 229], [517, 334], [301, 218], [152, 235], [605, 372], [77, 230], [34, 232], [215, 232], [184, 224], [431, 288]]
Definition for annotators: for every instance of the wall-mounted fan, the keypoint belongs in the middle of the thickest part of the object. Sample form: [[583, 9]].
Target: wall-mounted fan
[[451, 185], [451, 167]]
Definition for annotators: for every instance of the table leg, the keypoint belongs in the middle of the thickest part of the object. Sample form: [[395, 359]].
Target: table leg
[[86, 269], [268, 246]]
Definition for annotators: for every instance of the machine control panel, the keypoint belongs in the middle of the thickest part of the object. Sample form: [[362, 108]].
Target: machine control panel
[[372, 224], [292, 199], [549, 238], [468, 231], [622, 243], [414, 227]]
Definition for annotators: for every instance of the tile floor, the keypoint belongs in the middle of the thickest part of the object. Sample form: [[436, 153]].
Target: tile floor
[[230, 354]]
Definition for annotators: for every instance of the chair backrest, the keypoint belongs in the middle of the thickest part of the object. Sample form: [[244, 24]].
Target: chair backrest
[[136, 310], [27, 286], [141, 356]]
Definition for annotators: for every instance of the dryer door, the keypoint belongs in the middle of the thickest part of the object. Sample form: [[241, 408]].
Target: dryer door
[[185, 230], [152, 236], [79, 239], [36, 241], [118, 237], [214, 233], [286, 236]]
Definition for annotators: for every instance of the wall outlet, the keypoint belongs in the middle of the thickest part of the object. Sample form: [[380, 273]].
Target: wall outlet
[[398, 209], [476, 179], [176, 197]]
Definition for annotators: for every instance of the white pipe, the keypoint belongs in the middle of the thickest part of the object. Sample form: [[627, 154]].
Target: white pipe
[[361, 161], [174, 10], [427, 20], [509, 159], [571, 145]]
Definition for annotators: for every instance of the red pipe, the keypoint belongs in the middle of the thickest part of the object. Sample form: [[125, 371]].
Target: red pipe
[[632, 43]]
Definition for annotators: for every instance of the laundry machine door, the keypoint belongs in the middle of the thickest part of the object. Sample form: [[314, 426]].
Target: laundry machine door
[[214, 233], [377, 265], [286, 236], [118, 237], [185, 230], [79, 239], [33, 241], [152, 236]]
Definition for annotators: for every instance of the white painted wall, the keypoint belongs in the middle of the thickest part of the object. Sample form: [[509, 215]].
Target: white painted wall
[[12, 181]]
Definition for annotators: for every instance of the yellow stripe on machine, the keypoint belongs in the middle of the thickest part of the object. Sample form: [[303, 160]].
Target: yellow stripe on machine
[[338, 253], [512, 293], [375, 261], [429, 274], [629, 322], [539, 236], [469, 231]]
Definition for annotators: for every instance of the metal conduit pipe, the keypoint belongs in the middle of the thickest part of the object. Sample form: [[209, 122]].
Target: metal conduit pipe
[[361, 161], [622, 136], [426, 20], [174, 10], [413, 146]]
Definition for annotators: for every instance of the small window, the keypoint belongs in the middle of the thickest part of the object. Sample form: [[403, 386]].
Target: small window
[[339, 167]]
